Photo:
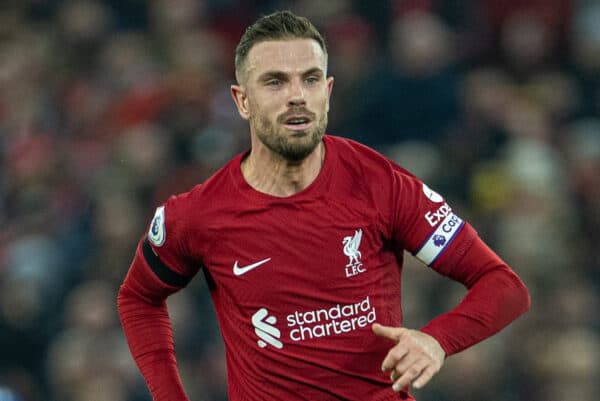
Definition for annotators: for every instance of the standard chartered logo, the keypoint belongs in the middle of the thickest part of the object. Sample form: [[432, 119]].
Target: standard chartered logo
[[265, 329], [304, 325], [339, 319]]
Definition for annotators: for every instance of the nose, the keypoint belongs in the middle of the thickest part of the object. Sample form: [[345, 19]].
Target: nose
[[296, 95]]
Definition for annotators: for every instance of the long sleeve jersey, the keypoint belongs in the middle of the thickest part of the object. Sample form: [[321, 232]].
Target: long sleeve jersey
[[298, 281]]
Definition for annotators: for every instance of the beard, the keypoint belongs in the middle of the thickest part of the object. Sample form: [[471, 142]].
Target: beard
[[294, 146]]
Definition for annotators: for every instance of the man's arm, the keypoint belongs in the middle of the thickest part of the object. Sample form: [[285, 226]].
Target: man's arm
[[495, 298], [145, 320]]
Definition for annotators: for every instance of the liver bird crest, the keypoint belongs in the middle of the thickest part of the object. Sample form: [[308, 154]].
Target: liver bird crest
[[351, 244]]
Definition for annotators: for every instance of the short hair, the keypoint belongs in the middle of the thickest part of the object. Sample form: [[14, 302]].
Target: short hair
[[278, 25]]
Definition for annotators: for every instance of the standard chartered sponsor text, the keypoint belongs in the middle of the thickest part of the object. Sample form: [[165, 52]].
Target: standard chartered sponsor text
[[339, 319]]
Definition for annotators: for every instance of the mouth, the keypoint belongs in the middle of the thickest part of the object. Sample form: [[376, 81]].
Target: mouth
[[297, 123]]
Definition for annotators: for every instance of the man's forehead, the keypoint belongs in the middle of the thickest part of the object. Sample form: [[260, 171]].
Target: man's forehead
[[283, 55]]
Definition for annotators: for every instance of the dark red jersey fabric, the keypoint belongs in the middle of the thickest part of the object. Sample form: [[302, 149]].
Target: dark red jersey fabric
[[298, 281]]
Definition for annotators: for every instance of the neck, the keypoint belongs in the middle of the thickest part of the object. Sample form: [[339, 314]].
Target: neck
[[271, 174]]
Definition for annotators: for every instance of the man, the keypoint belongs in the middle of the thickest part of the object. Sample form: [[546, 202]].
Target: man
[[301, 240]]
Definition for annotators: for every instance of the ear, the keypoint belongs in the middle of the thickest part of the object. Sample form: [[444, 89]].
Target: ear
[[241, 100], [329, 89]]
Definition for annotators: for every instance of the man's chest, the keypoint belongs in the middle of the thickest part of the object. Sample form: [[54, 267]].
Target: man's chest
[[302, 251], [296, 277]]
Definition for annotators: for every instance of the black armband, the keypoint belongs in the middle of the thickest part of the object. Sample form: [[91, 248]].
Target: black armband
[[162, 271]]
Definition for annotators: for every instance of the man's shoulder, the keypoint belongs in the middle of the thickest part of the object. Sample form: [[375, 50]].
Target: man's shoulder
[[369, 160], [211, 192]]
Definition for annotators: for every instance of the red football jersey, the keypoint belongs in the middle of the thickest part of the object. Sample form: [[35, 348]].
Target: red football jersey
[[298, 281]]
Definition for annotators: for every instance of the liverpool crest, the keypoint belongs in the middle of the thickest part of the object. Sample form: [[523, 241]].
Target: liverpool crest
[[351, 249]]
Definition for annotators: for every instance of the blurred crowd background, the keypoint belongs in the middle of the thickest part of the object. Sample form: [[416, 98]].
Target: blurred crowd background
[[108, 107]]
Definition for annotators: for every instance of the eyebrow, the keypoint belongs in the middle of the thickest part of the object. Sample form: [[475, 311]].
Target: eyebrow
[[272, 74], [282, 75], [313, 71]]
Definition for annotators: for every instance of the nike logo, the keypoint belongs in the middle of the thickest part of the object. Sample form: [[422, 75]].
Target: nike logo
[[238, 271]]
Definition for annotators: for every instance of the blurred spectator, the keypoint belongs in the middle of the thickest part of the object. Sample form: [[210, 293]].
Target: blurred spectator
[[585, 53], [413, 95], [353, 59]]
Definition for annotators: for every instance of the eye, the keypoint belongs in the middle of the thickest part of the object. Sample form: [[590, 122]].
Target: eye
[[312, 80], [273, 82]]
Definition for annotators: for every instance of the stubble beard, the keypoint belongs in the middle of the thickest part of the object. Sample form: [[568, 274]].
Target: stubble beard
[[293, 147]]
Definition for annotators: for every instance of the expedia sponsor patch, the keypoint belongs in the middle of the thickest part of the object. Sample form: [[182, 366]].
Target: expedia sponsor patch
[[157, 233]]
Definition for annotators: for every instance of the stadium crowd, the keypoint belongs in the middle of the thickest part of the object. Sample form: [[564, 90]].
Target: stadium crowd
[[107, 107]]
